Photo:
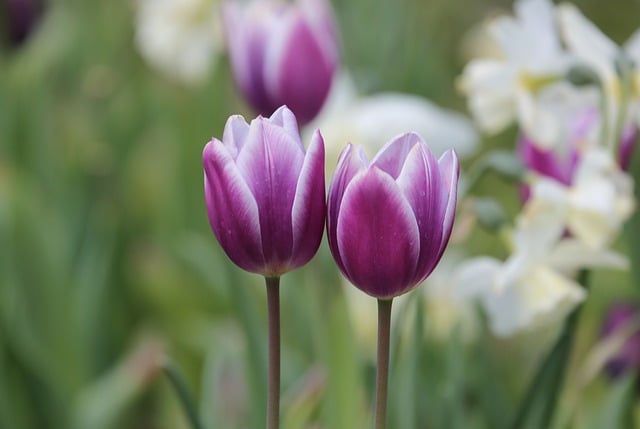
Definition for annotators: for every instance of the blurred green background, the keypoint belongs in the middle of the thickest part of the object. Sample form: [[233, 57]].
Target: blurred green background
[[108, 264]]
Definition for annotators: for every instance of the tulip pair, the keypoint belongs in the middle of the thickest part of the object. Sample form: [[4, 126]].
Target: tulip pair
[[388, 220]]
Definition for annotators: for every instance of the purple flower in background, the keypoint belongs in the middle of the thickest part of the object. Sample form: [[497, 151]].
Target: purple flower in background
[[22, 16], [282, 54], [627, 358], [560, 163], [389, 220], [265, 197]]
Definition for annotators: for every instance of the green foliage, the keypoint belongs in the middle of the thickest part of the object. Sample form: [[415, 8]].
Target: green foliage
[[108, 264]]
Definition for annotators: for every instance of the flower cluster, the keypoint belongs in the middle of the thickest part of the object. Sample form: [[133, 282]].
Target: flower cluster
[[572, 93]]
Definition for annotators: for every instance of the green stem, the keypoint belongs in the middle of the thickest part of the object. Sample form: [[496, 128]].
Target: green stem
[[273, 383], [382, 373], [538, 406], [186, 400]]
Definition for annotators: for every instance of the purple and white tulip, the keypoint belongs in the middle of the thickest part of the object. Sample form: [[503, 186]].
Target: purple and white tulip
[[283, 54], [389, 220], [22, 18], [265, 196]]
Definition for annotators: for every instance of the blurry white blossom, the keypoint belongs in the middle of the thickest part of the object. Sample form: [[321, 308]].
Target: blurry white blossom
[[374, 119], [591, 48], [534, 287], [181, 38], [501, 90], [596, 205]]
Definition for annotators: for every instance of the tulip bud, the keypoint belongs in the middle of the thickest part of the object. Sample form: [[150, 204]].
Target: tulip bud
[[389, 220], [265, 196], [282, 54], [622, 317], [22, 16]]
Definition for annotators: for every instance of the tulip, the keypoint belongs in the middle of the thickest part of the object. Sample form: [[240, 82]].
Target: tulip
[[619, 318], [389, 221], [282, 54], [265, 196], [266, 204], [23, 16]]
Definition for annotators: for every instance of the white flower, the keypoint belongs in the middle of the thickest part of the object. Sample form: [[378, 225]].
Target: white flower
[[375, 119], [561, 113], [592, 48], [597, 203], [502, 90], [533, 287], [181, 38]]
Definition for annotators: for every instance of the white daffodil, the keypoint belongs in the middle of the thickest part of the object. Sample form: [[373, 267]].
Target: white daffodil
[[533, 287], [593, 49], [374, 119], [503, 90], [563, 113], [597, 203], [181, 38]]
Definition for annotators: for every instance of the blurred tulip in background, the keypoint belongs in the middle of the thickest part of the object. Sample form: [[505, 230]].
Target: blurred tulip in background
[[282, 53]]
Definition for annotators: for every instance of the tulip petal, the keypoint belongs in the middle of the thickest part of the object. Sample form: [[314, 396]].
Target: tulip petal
[[308, 213], [270, 163], [246, 34], [377, 234], [393, 154], [350, 163], [232, 209], [283, 117], [297, 71], [421, 184], [235, 134], [450, 172]]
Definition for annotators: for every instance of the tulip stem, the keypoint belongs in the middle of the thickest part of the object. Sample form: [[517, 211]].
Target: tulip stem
[[382, 373], [273, 383]]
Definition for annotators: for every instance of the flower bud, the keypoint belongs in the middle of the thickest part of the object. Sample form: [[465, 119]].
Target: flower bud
[[389, 220], [22, 16], [282, 54], [265, 196]]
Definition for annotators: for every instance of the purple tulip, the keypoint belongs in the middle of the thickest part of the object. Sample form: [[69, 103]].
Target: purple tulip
[[627, 357], [389, 220], [283, 54], [265, 196], [22, 15]]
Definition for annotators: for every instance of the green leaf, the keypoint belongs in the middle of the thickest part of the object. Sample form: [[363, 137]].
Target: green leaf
[[184, 395], [538, 405], [503, 162], [632, 228], [489, 213], [617, 409]]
